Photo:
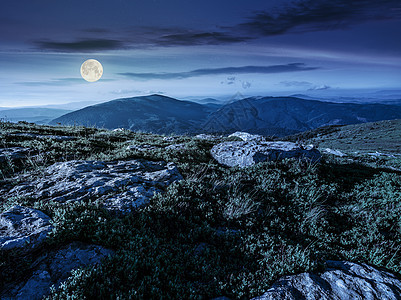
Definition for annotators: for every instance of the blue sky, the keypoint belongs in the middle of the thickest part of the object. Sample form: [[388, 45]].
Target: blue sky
[[197, 48]]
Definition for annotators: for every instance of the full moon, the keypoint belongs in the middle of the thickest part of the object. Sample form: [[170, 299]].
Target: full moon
[[91, 70]]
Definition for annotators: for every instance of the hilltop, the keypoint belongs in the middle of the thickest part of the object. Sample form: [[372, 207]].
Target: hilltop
[[142, 215]]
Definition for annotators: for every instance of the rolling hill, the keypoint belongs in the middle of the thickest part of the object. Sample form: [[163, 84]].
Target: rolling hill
[[154, 113], [288, 115], [273, 116]]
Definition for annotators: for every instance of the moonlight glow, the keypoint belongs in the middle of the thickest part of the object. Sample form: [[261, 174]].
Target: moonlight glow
[[91, 70]]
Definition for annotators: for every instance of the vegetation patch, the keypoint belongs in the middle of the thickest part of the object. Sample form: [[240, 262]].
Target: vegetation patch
[[219, 231]]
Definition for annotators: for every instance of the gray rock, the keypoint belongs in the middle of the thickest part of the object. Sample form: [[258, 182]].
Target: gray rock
[[379, 154], [14, 153], [24, 228], [334, 152], [203, 136], [176, 147], [341, 280], [170, 138], [141, 147], [245, 154], [247, 137], [120, 185], [53, 268]]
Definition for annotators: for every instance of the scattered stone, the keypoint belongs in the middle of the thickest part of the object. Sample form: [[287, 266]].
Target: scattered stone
[[14, 153], [120, 185], [334, 152], [169, 138], [53, 268], [341, 280], [23, 227], [176, 147], [141, 147], [247, 137], [244, 154], [378, 154], [206, 137], [118, 130]]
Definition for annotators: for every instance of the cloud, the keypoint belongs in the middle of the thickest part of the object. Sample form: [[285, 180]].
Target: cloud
[[88, 45], [296, 83], [295, 17], [200, 38], [246, 85], [318, 15], [294, 67], [320, 88]]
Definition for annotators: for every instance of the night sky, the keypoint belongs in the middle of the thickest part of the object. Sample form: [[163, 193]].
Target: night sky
[[208, 48]]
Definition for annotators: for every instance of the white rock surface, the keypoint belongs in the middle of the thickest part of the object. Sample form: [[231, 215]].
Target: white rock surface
[[23, 227], [342, 281], [120, 185], [244, 154]]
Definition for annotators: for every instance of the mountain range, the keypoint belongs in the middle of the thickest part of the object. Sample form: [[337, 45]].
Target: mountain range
[[276, 116], [36, 115]]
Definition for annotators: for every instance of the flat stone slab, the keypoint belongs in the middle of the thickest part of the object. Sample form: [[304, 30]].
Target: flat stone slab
[[342, 280], [23, 227], [244, 154], [53, 268], [120, 185]]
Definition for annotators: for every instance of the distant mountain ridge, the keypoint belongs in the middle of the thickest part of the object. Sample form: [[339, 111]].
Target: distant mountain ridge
[[288, 115], [154, 113], [277, 116], [36, 115]]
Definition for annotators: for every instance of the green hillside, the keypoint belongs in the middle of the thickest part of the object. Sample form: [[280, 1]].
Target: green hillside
[[220, 231]]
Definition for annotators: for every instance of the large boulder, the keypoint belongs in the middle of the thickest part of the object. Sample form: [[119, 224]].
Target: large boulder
[[120, 185], [23, 228], [244, 154], [342, 280], [53, 268]]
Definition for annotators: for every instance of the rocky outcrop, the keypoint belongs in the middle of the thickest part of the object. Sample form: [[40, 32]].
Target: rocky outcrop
[[244, 154], [52, 269], [24, 228], [341, 280], [247, 137], [14, 153], [120, 185]]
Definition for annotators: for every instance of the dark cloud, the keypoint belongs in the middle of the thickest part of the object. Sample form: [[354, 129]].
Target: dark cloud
[[317, 15], [199, 38], [295, 17], [294, 67], [88, 45]]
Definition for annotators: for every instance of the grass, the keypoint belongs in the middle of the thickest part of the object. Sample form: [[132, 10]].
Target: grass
[[220, 231]]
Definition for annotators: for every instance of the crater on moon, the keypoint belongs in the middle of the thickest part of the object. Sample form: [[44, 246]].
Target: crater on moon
[[91, 70]]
